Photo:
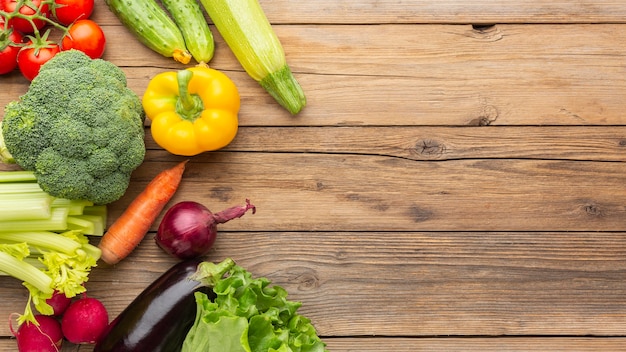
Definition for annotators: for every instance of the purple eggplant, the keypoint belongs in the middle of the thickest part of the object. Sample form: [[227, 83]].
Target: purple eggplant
[[160, 317]]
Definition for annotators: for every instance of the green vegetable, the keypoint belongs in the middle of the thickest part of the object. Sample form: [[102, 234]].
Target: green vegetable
[[47, 261], [47, 254], [79, 128], [22, 208], [189, 18], [250, 36], [248, 315], [152, 26]]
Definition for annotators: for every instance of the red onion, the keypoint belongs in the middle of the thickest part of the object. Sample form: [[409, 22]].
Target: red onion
[[189, 229]]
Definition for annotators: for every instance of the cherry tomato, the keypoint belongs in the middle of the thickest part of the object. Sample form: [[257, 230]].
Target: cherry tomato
[[29, 60], [68, 11], [86, 36], [21, 24], [8, 54]]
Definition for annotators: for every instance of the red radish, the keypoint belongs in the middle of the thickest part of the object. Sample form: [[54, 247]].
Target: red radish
[[45, 337], [189, 229], [59, 303], [85, 321]]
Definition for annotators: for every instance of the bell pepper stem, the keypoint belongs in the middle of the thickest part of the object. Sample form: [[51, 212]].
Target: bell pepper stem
[[184, 76], [189, 105]]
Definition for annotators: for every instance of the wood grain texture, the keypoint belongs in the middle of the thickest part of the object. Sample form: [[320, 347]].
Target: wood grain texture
[[422, 284], [308, 191], [439, 75], [456, 182], [443, 12], [442, 344]]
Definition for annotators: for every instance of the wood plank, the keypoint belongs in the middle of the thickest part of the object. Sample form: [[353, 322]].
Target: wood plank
[[444, 11], [439, 283], [457, 195], [437, 143], [344, 193], [446, 344], [443, 344], [362, 75], [448, 188]]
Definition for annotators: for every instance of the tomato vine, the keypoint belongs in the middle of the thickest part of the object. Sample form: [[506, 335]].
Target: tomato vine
[[25, 27]]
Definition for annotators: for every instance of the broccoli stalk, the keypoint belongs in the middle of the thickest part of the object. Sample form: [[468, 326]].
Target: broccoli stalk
[[79, 128]]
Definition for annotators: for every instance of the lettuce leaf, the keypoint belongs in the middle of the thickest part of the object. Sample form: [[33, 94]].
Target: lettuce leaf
[[247, 315]]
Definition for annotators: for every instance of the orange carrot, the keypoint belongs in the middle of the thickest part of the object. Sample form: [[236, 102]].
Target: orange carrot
[[132, 226]]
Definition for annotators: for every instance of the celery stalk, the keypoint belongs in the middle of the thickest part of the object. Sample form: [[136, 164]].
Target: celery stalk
[[56, 222], [98, 210], [42, 239], [63, 260], [20, 187], [23, 271], [87, 224], [16, 206], [64, 263], [75, 207], [18, 176], [24, 206]]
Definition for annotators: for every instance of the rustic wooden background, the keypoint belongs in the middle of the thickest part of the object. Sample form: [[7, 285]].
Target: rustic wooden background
[[456, 182]]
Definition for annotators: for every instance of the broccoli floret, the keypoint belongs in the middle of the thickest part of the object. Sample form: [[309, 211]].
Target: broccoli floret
[[78, 127]]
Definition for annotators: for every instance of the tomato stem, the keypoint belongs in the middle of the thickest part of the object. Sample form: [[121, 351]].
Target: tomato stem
[[37, 16]]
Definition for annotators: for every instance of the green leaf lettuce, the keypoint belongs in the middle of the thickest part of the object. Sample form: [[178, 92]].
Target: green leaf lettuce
[[247, 315]]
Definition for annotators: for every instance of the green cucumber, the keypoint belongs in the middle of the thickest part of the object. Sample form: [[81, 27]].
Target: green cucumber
[[149, 22], [187, 14]]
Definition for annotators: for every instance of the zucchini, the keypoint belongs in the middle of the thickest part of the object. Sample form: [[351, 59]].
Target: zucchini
[[187, 14], [149, 22], [249, 34]]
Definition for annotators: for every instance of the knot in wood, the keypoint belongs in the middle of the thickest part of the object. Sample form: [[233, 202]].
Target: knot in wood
[[486, 32], [486, 117], [592, 209], [307, 280], [428, 148]]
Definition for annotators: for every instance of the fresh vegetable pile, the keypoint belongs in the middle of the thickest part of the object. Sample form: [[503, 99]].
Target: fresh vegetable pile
[[78, 134], [179, 30], [238, 313], [80, 321], [44, 244], [79, 128], [131, 227], [25, 27]]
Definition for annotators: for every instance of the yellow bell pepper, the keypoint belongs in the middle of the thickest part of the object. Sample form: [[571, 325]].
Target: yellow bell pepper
[[192, 110]]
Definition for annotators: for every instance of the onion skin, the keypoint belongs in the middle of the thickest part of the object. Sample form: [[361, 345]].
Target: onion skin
[[189, 229]]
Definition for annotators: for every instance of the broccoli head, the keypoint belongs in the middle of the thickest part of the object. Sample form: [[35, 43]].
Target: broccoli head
[[78, 127]]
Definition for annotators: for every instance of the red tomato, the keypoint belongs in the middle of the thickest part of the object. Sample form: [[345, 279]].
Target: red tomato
[[68, 11], [21, 24], [29, 60], [86, 36], [8, 52]]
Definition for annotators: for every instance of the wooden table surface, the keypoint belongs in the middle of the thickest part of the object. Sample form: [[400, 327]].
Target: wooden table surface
[[456, 182]]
